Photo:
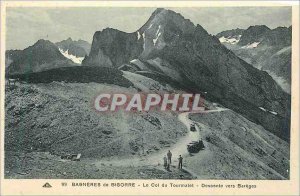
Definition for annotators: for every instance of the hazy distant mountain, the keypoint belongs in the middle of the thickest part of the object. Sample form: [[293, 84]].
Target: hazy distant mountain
[[43, 55], [264, 48], [170, 46]]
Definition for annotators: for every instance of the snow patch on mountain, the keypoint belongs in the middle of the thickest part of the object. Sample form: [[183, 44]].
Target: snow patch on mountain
[[263, 109], [272, 112], [158, 30], [230, 40], [138, 35], [75, 59], [144, 41], [155, 40], [158, 33], [250, 46]]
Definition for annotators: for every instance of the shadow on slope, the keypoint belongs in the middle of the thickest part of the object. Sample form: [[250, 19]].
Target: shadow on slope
[[80, 74]]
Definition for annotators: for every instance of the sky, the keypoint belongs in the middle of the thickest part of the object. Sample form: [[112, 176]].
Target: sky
[[24, 26]]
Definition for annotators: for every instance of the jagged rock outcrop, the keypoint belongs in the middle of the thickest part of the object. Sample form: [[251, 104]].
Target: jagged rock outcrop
[[78, 48], [112, 48]]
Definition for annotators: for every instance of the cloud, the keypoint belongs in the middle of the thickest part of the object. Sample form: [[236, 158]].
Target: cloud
[[26, 25], [218, 19]]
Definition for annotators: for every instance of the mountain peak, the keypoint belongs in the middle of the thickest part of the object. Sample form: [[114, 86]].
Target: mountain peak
[[44, 45], [166, 12], [258, 27], [165, 17], [158, 10], [43, 42]]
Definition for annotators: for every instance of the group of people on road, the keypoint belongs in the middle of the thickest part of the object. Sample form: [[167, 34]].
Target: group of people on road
[[168, 161]]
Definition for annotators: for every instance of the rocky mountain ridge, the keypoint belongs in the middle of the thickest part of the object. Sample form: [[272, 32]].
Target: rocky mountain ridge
[[78, 48], [264, 48], [199, 59]]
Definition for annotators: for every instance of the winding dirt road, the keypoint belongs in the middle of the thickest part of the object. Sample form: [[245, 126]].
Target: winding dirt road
[[180, 148]]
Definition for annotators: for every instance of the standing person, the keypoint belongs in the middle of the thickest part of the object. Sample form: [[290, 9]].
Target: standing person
[[165, 162], [169, 154], [180, 162]]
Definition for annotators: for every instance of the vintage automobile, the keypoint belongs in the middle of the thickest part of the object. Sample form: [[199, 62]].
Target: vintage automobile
[[195, 146], [193, 128], [72, 157]]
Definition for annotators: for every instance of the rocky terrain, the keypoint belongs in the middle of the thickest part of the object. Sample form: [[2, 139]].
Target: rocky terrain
[[264, 48]]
